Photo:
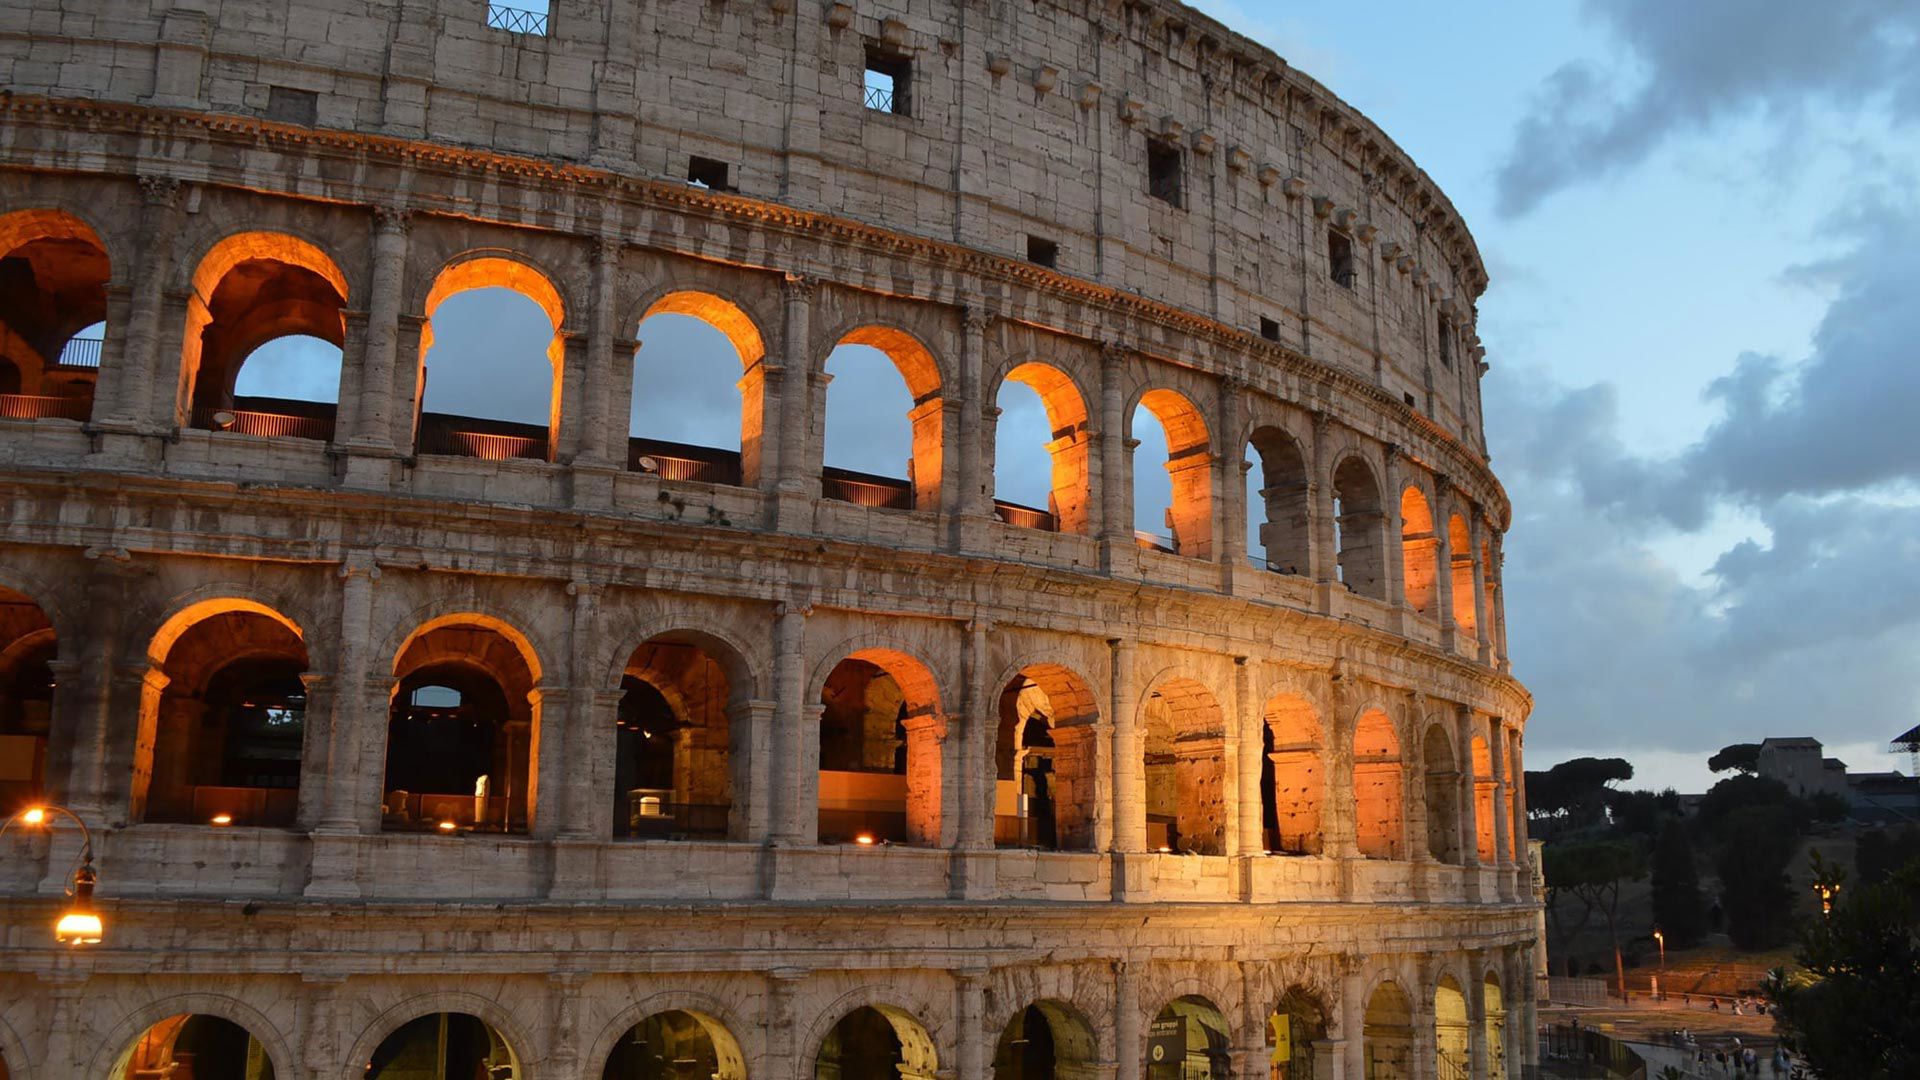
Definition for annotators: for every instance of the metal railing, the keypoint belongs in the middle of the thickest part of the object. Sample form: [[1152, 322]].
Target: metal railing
[[1154, 542], [878, 492], [81, 352], [35, 407], [1025, 517], [681, 461], [516, 20], [266, 425], [490, 440], [880, 99]]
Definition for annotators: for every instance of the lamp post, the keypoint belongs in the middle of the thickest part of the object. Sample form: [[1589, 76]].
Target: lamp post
[[1661, 940], [80, 923]]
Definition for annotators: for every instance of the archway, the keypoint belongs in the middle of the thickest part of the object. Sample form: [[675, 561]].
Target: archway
[[1387, 1032], [54, 273], [1046, 758], [1189, 464], [1292, 776], [463, 720], [1419, 553], [222, 718], [1485, 798], [880, 737], [674, 773], [1188, 1041], [691, 417], [676, 1045], [198, 1047], [1060, 429], [1441, 776], [496, 325], [876, 1042], [1496, 1010], [1294, 1031], [856, 448], [1378, 787], [1460, 544], [1185, 769], [444, 1046], [1450, 1028], [27, 652], [264, 292], [1359, 524], [1047, 1040], [1283, 528]]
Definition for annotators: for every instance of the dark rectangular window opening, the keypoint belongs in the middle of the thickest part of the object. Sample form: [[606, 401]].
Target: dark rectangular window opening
[[1408, 398], [1340, 259], [515, 19], [1446, 343], [1269, 329], [1164, 172], [889, 82], [707, 173], [290, 106], [1043, 252]]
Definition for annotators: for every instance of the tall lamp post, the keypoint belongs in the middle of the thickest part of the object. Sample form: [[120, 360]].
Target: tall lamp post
[[80, 923], [1661, 939]]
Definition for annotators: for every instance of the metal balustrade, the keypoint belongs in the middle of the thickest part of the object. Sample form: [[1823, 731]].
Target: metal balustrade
[[684, 462], [36, 407], [81, 352], [489, 440], [517, 20], [317, 423], [1025, 517], [880, 99], [862, 489]]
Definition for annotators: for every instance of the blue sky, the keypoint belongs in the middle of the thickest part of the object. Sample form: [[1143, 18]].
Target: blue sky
[[1702, 222]]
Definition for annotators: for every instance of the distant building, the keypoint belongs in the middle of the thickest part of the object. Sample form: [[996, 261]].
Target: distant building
[[1798, 763], [1883, 798]]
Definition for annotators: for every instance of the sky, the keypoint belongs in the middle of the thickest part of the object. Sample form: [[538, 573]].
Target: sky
[[1702, 225]]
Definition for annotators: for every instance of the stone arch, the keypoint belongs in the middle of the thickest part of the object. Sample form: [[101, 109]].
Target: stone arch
[[222, 705], [728, 1060], [1451, 1037], [1070, 448], [1048, 1039], [478, 436], [1419, 552], [406, 1011], [1485, 800], [1189, 466], [1460, 546], [1184, 729], [680, 772], [1189, 1038], [881, 733], [67, 268], [715, 308], [681, 1000], [1296, 1029], [1378, 786], [1387, 1032], [917, 1053], [1494, 1008], [1359, 527], [1440, 773], [1293, 775], [29, 651], [736, 656], [920, 370], [742, 332], [115, 1048], [1053, 771], [1286, 501]]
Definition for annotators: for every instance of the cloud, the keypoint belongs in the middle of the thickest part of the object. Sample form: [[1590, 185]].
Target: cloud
[[1689, 66]]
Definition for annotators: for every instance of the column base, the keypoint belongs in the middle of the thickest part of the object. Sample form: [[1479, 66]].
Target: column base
[[122, 441], [333, 867], [790, 511], [974, 874], [577, 874], [1120, 558], [783, 872], [971, 533], [369, 467], [590, 485], [1132, 876]]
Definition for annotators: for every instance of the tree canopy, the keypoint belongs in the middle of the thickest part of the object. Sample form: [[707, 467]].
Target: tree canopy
[[1855, 1010], [1741, 756], [1576, 789]]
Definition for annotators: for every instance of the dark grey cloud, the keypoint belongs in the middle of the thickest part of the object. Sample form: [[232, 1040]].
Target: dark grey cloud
[[1691, 65]]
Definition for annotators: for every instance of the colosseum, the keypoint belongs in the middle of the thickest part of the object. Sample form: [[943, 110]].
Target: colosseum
[[415, 744]]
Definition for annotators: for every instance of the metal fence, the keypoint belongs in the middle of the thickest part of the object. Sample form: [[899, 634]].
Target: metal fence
[[880, 98], [266, 425], [33, 407], [877, 492], [81, 352], [516, 20], [1025, 517], [680, 461]]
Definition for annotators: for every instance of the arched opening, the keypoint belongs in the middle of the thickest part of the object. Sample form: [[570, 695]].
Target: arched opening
[[1450, 1028], [1359, 524], [27, 652], [1293, 776], [876, 1043], [676, 1045], [1277, 485], [1485, 808], [1188, 1041], [275, 302], [1387, 1032], [1441, 770], [1048, 1040], [1041, 409], [461, 727], [1188, 495], [1294, 1031], [1378, 788], [1185, 769], [674, 776], [53, 302], [1496, 1010], [493, 326], [858, 447], [223, 718], [195, 1047], [1419, 553], [1046, 758], [880, 735], [444, 1046], [1460, 544], [692, 418]]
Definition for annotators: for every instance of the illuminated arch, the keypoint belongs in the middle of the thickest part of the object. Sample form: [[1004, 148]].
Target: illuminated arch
[[1485, 801], [689, 458], [498, 1020], [1185, 765], [1378, 787], [1450, 1027], [676, 1035], [876, 1042], [718, 312], [1387, 1031], [1293, 775], [1189, 467], [681, 742], [1359, 528], [478, 436], [1069, 448], [1049, 1039], [873, 782], [1286, 529], [1440, 773], [1197, 1031], [1460, 546], [711, 1011], [119, 1045], [65, 270], [1047, 759], [920, 371], [1420, 553]]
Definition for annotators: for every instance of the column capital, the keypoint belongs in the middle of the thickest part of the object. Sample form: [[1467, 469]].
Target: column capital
[[977, 319], [392, 220], [1114, 353], [163, 191], [798, 288], [784, 608]]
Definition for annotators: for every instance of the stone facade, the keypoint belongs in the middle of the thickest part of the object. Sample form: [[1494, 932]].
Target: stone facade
[[1127, 798]]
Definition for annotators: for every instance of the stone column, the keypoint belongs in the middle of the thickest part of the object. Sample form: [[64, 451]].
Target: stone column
[[1497, 613], [1443, 559], [1230, 481], [313, 750], [795, 799], [1481, 619], [928, 735], [1325, 555], [320, 1031], [83, 706], [1252, 752], [1119, 553], [350, 727], [1129, 1047], [123, 397], [593, 432], [563, 1060], [1517, 790], [750, 726], [1426, 1042], [782, 1034], [1469, 795], [1129, 779], [973, 507], [1478, 1050], [1503, 849], [796, 488], [374, 413], [1353, 1021], [975, 760], [574, 753], [970, 1041], [1394, 562]]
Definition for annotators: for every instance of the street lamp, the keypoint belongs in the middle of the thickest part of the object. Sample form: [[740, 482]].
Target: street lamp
[[1662, 939], [80, 923]]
